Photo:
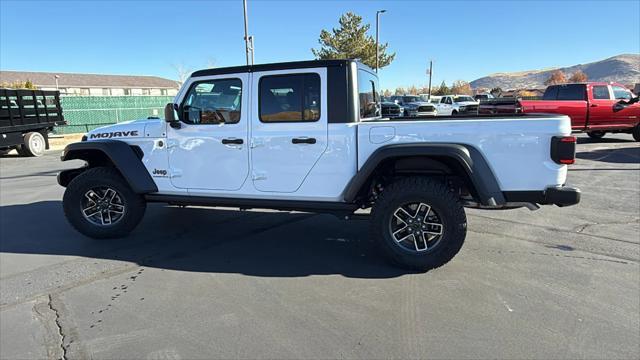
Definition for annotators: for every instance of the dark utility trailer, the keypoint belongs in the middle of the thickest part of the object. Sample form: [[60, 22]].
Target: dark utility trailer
[[26, 118]]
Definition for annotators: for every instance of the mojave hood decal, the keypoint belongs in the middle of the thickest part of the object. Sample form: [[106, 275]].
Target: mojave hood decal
[[128, 129]]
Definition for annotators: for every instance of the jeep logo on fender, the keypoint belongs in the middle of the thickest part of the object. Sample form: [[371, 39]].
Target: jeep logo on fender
[[108, 135], [161, 172]]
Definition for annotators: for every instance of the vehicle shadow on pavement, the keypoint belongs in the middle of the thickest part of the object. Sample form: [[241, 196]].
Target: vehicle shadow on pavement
[[614, 155], [270, 244], [606, 140]]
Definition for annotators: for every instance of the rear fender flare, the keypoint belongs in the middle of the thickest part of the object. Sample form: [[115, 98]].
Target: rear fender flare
[[115, 153], [469, 158]]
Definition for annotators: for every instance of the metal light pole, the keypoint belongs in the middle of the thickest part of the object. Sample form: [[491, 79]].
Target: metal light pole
[[57, 77], [377, 31], [430, 75], [248, 40]]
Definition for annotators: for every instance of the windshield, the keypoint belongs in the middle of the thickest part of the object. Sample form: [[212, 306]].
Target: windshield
[[463, 98], [409, 99]]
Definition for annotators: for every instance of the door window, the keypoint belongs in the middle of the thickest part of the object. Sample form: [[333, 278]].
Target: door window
[[213, 102], [289, 98], [601, 92], [621, 93]]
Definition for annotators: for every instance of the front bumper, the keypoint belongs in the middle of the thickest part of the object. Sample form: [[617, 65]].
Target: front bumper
[[421, 114], [559, 195]]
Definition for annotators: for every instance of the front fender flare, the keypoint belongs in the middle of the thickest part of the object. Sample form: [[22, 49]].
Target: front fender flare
[[118, 153], [468, 157]]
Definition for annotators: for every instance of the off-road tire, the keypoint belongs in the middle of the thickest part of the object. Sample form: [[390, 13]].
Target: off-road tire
[[596, 134], [102, 177], [454, 113], [422, 190], [636, 133], [34, 144]]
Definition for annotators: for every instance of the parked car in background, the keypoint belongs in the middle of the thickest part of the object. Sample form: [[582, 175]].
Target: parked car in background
[[596, 108], [483, 97], [391, 109], [451, 105], [414, 106]]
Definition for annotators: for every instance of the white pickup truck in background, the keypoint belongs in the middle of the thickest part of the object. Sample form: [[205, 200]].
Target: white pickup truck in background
[[308, 136], [451, 105]]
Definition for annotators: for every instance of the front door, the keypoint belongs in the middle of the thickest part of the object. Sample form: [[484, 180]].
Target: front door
[[288, 127], [600, 107], [209, 151]]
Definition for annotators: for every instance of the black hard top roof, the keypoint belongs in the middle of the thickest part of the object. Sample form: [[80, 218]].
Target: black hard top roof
[[273, 66]]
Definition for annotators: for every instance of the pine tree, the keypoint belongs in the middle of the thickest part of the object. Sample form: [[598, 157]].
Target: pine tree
[[351, 41]]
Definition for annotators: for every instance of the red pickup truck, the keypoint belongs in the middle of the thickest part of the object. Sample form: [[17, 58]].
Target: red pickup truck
[[595, 107]]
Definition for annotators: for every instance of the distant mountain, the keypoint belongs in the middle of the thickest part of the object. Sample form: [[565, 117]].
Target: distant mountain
[[624, 69]]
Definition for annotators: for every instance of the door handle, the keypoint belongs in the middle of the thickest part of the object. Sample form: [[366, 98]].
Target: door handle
[[232, 141], [303, 140], [594, 105]]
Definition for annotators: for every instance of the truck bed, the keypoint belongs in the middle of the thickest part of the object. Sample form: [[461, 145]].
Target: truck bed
[[516, 146], [22, 110]]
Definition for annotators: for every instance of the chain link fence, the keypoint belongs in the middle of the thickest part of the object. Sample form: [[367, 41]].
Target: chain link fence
[[85, 113]]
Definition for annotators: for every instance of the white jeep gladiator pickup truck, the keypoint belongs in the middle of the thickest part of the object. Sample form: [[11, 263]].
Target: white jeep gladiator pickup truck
[[308, 136]]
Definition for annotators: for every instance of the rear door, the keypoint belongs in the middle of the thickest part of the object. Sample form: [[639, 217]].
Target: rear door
[[569, 99], [445, 106], [289, 129]]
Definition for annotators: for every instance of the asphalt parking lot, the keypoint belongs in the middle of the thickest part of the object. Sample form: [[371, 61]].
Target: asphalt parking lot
[[211, 283]]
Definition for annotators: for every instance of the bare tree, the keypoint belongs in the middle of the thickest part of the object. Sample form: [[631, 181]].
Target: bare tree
[[578, 77], [461, 87], [557, 77], [183, 71]]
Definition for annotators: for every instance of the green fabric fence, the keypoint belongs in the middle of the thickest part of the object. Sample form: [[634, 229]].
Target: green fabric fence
[[84, 113]]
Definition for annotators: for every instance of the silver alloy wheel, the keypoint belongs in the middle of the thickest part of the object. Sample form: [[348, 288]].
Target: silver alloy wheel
[[416, 227], [102, 206], [36, 144]]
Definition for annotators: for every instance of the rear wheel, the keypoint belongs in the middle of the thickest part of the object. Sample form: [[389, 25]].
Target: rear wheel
[[596, 134], [636, 133], [418, 223], [34, 144], [100, 204]]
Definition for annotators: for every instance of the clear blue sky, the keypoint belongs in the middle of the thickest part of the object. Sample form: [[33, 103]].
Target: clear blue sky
[[466, 39]]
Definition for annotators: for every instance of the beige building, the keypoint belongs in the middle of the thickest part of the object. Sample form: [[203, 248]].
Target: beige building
[[94, 84]]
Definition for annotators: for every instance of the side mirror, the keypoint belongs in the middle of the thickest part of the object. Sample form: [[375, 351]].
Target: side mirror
[[620, 105], [169, 116]]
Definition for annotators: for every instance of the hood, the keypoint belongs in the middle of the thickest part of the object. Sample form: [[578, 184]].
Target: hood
[[125, 129], [418, 103]]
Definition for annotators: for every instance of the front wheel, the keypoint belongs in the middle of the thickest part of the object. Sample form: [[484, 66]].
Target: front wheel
[[596, 134], [418, 223], [100, 204], [454, 113]]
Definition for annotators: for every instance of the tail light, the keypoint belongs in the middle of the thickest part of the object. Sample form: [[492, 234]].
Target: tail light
[[563, 149], [519, 107]]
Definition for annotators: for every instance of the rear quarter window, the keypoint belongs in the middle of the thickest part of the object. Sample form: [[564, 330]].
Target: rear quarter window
[[571, 92]]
